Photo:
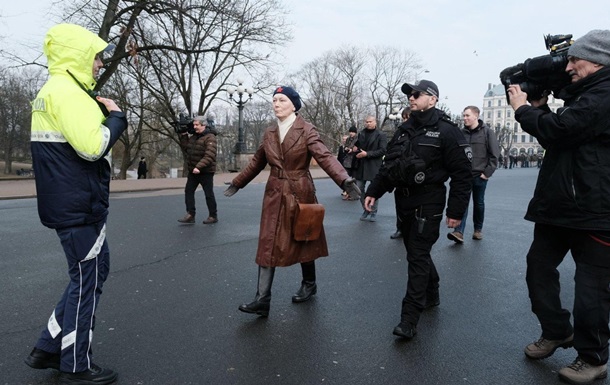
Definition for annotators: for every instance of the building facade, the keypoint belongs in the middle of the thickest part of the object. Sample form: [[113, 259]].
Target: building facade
[[499, 115]]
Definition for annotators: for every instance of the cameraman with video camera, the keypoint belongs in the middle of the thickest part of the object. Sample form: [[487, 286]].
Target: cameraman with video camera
[[199, 144], [571, 207]]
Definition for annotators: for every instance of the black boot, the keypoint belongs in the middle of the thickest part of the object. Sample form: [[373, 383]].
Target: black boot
[[261, 303], [308, 284]]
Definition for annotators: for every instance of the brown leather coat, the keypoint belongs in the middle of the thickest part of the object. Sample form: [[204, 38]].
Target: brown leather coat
[[289, 163]]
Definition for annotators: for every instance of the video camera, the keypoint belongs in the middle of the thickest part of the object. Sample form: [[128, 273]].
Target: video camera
[[184, 124], [541, 75]]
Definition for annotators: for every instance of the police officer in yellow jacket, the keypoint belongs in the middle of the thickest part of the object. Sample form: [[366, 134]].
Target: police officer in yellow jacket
[[72, 134]]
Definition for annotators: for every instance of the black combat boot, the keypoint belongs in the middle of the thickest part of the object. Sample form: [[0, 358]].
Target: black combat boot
[[261, 303], [308, 284]]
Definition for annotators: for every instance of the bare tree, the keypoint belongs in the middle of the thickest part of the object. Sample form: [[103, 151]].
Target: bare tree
[[258, 116], [343, 86], [388, 70], [17, 89], [351, 64], [176, 56], [322, 107], [199, 48]]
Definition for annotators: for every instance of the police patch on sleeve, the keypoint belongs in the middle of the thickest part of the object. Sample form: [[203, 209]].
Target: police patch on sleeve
[[468, 152]]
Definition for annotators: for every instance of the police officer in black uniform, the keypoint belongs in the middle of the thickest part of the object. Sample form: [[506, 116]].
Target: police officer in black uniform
[[424, 153]]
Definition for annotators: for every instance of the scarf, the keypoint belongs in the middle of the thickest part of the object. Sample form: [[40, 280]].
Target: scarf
[[285, 126]]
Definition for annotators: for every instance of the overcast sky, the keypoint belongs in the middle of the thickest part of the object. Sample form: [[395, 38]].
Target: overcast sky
[[463, 44]]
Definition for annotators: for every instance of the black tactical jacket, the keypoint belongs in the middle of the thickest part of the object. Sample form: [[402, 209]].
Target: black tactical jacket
[[447, 155]]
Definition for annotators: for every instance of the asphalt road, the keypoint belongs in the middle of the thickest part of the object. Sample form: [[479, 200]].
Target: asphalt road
[[169, 314]]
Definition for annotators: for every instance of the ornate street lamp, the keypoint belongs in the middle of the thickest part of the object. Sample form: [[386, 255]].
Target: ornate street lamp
[[395, 116], [240, 100]]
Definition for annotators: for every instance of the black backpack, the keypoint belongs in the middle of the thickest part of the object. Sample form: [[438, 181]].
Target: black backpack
[[402, 166]]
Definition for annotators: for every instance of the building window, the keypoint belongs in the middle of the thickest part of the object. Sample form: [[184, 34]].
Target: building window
[[515, 138], [531, 139], [489, 114], [516, 126], [522, 138], [499, 102], [499, 114], [508, 113], [489, 103]]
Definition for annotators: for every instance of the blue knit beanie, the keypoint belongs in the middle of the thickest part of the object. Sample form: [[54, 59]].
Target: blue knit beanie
[[291, 94]]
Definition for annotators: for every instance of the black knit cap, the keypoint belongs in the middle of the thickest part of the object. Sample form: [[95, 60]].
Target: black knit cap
[[291, 94], [353, 129]]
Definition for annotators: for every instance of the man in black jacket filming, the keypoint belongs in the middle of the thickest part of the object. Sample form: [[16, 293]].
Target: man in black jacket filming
[[571, 210], [424, 153]]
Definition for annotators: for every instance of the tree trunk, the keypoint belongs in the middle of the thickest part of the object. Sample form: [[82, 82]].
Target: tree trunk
[[8, 161]]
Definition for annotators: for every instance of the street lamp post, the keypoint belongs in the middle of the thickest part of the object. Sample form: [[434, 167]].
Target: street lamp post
[[240, 100], [395, 116]]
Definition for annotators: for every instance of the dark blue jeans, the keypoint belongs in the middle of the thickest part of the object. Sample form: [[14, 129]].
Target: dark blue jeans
[[478, 210], [591, 252], [362, 186]]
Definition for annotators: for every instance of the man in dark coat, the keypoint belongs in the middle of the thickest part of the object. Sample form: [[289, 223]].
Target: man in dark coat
[[427, 137], [200, 151], [370, 148], [142, 169], [571, 210]]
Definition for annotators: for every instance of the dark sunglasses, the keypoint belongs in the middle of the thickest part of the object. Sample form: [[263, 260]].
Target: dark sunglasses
[[417, 94]]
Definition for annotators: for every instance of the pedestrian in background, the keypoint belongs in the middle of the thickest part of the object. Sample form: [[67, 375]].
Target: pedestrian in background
[[142, 169], [288, 147], [405, 114], [485, 153], [570, 209], [349, 161], [200, 149], [71, 142], [369, 148]]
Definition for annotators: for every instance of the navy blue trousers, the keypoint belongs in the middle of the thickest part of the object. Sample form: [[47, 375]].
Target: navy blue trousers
[[70, 327]]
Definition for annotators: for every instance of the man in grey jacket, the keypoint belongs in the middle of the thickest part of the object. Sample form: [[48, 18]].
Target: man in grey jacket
[[485, 154]]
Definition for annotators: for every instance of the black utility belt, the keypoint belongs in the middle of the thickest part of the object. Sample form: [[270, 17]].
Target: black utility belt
[[418, 190]]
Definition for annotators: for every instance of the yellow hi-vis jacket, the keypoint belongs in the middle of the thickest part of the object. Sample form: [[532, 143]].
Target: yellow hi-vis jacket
[[71, 139]]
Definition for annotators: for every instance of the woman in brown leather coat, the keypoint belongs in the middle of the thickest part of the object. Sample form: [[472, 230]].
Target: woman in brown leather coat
[[288, 147]]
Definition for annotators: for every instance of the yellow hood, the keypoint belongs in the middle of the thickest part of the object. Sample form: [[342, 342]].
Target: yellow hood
[[72, 47]]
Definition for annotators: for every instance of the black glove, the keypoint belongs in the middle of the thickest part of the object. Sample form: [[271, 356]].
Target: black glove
[[231, 190], [349, 186]]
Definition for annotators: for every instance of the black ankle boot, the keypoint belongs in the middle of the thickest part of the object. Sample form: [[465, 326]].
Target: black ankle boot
[[308, 284], [307, 290], [256, 307], [261, 303]]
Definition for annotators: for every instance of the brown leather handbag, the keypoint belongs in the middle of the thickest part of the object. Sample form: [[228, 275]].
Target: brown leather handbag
[[308, 218], [308, 221]]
